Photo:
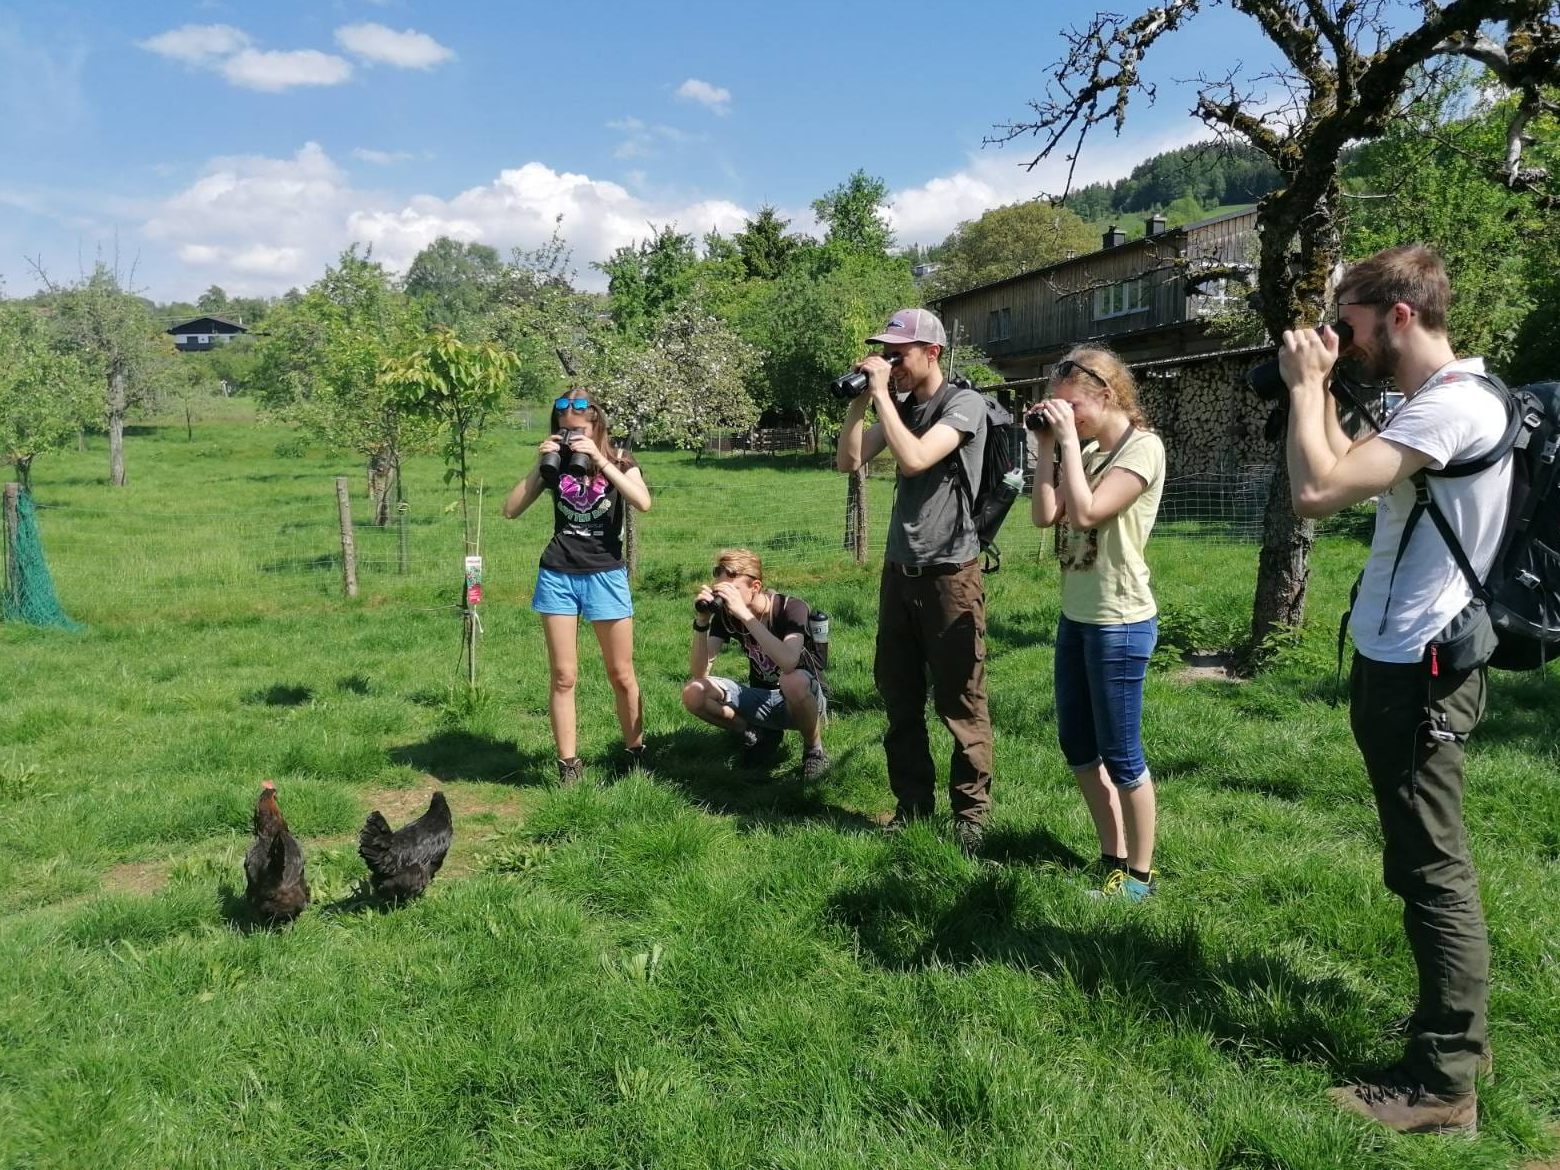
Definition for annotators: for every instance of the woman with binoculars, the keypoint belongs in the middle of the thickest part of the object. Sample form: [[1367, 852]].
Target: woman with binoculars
[[582, 571], [1099, 475]]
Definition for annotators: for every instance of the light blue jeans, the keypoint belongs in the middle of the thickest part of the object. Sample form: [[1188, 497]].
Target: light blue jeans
[[1100, 672]]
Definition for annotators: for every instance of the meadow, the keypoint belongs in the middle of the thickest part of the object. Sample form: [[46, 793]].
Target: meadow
[[694, 967]]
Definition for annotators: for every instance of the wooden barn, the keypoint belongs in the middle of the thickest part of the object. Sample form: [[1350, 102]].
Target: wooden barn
[[1131, 296]]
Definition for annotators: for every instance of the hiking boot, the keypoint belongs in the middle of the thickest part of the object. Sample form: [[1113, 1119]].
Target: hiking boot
[[903, 817], [570, 772], [1410, 1108], [969, 835], [1484, 1070], [1121, 886], [635, 759], [815, 762], [760, 746]]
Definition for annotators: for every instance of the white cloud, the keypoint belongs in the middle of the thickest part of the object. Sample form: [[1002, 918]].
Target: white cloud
[[405, 50], [713, 97], [197, 44], [272, 71], [382, 158], [262, 225], [926, 213], [230, 51]]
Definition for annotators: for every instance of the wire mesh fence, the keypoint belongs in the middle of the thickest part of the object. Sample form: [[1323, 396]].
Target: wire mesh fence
[[115, 560]]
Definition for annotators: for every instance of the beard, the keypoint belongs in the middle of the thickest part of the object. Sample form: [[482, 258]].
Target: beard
[[1380, 362]]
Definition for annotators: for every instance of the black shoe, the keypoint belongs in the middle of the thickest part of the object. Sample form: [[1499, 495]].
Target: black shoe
[[635, 759], [760, 746], [815, 763], [969, 835]]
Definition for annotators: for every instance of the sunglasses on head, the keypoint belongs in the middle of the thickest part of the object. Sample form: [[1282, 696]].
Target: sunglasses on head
[[577, 404], [1065, 369]]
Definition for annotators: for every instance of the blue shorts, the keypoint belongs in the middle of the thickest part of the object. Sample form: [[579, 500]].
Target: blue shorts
[[1100, 672], [762, 707], [598, 597]]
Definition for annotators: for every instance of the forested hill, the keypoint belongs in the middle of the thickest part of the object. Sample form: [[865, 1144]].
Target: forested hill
[[1206, 175]]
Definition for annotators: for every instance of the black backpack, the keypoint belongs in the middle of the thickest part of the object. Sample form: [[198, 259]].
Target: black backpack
[[1521, 592], [1001, 479]]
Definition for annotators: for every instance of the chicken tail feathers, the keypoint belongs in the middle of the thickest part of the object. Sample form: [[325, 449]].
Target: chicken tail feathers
[[375, 844]]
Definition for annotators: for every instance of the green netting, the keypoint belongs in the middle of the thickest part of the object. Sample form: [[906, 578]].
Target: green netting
[[29, 590]]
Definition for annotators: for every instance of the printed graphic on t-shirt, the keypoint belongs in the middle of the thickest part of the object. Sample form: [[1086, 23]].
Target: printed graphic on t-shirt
[[1076, 550], [583, 502]]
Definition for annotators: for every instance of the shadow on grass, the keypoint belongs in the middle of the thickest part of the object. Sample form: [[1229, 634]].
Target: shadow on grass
[[1031, 847], [235, 910], [703, 765], [1252, 1002], [280, 695], [463, 755], [356, 684]]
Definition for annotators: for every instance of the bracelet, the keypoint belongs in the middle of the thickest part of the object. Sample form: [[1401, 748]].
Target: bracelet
[[704, 629]]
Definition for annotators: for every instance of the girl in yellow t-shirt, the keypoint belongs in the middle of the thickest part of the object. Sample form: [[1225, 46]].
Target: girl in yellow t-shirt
[[1106, 474]]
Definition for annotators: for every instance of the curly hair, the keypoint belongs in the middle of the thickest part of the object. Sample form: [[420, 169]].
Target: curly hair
[[1107, 376]]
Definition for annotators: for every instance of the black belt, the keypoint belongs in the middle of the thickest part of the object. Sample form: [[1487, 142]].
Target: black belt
[[941, 570]]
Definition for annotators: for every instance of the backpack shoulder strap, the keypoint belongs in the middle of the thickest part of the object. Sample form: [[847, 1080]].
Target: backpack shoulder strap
[[1508, 439], [967, 488]]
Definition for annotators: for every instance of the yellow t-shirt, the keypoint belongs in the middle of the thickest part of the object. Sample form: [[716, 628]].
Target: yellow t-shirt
[[1104, 575]]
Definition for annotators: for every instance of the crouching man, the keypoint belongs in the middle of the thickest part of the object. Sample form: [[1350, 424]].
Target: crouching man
[[785, 672]]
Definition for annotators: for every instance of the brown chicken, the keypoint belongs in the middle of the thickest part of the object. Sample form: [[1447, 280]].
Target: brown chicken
[[273, 867], [402, 863]]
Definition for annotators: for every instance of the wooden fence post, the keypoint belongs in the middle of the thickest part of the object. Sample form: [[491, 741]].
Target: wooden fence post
[[631, 542], [13, 523], [856, 514], [348, 547]]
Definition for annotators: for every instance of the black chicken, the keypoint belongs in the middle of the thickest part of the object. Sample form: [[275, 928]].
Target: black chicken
[[402, 863], [273, 867]]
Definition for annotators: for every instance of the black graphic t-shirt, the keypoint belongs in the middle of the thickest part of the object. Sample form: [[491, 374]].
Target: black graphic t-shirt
[[786, 616], [587, 523]]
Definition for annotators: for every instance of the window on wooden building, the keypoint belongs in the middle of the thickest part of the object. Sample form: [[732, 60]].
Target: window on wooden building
[[1115, 300]]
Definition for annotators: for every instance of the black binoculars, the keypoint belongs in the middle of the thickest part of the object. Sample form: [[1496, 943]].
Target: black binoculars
[[847, 386], [1268, 384], [565, 460], [715, 604]]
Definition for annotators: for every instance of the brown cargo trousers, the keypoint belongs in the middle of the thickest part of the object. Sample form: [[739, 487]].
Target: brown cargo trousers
[[935, 621]]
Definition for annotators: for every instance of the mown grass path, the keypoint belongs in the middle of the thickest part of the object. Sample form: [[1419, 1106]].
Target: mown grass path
[[688, 968]]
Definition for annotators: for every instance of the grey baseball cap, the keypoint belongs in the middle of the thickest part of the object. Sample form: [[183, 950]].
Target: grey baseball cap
[[910, 325]]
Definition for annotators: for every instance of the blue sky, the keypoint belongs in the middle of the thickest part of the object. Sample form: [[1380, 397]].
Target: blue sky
[[245, 145]]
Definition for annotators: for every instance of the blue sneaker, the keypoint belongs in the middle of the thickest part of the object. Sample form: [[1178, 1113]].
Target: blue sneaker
[[1122, 886]]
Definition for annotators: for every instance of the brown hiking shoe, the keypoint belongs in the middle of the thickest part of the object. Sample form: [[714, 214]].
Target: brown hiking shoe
[[1410, 1108], [969, 836], [570, 772]]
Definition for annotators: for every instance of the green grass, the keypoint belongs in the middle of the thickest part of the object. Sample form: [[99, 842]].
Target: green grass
[[688, 969]]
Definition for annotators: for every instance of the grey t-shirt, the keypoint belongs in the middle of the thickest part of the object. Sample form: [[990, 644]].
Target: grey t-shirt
[[931, 524]]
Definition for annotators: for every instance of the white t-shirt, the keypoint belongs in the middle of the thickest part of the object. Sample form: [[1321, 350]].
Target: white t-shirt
[[1452, 418]]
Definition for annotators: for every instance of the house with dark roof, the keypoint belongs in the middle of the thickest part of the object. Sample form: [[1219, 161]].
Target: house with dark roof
[[203, 333], [1137, 298], [1132, 296]]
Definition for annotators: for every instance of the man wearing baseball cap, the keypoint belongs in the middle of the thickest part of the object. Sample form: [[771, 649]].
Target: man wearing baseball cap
[[931, 602]]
